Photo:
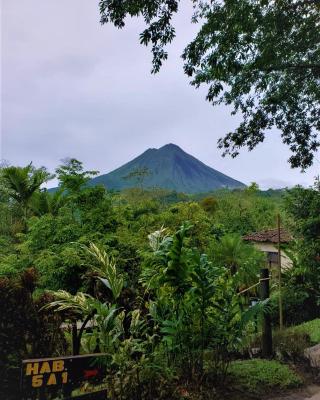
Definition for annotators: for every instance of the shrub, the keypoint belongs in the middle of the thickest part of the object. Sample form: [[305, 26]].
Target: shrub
[[310, 328], [25, 332], [290, 344], [209, 204], [299, 304], [260, 376]]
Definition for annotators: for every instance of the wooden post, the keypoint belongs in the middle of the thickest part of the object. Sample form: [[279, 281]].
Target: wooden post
[[279, 272], [75, 345], [266, 322]]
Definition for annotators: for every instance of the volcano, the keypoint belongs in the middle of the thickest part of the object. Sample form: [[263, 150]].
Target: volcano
[[168, 167]]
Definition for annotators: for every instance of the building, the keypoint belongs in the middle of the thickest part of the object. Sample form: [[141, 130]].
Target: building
[[267, 241]]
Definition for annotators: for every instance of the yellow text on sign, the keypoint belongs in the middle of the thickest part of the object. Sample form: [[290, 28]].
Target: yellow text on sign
[[45, 373]]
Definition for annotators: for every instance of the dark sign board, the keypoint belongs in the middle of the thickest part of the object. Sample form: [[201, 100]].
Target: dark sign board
[[63, 377]]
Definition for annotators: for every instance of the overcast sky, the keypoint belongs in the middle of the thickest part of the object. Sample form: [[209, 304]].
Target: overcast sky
[[74, 88]]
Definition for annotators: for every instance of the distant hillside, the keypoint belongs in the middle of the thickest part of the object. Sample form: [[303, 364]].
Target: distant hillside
[[170, 168]]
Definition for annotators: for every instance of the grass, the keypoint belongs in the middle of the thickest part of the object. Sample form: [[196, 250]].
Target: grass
[[260, 376], [312, 328]]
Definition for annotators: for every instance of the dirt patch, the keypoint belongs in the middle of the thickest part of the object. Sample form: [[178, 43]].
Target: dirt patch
[[311, 392]]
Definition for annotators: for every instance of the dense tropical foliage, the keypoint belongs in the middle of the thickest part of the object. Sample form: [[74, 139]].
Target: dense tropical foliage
[[157, 280]]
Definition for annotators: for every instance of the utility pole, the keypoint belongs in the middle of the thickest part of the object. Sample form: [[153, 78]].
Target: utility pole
[[266, 322], [279, 271]]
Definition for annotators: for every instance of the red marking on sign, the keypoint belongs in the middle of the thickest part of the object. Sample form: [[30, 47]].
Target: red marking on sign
[[90, 373]]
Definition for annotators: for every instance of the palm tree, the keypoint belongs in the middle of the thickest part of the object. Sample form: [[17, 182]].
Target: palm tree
[[44, 202], [23, 182], [239, 258]]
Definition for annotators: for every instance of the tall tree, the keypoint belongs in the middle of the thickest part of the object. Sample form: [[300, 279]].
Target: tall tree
[[262, 57], [138, 175], [302, 207], [72, 177]]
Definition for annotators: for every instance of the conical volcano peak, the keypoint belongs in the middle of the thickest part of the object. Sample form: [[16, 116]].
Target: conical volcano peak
[[169, 167], [171, 147]]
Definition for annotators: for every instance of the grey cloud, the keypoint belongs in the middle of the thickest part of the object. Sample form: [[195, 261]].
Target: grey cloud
[[74, 88]]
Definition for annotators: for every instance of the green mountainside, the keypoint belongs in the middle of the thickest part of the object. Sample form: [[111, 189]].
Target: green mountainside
[[170, 168]]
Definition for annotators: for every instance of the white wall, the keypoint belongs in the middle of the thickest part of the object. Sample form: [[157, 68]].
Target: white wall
[[270, 247]]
